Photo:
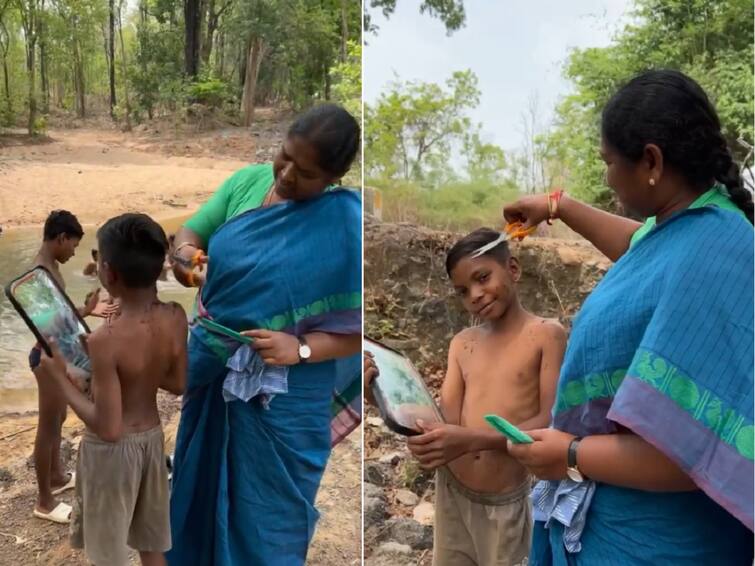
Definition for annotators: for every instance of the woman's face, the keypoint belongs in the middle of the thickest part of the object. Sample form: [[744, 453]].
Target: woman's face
[[298, 175], [630, 181]]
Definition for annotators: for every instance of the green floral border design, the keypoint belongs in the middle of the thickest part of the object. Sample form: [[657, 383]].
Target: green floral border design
[[332, 303], [597, 385], [700, 403]]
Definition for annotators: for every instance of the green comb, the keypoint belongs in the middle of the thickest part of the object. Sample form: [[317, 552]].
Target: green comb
[[508, 430]]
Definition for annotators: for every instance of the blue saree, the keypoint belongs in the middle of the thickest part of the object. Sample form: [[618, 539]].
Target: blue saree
[[663, 347], [246, 475]]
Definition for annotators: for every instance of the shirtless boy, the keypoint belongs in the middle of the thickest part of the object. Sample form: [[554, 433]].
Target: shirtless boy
[[509, 366], [122, 492]]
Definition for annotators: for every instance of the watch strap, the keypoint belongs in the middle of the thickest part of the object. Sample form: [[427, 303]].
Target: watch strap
[[571, 454]]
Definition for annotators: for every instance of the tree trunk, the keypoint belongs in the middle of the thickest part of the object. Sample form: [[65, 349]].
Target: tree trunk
[[242, 59], [4, 47], [8, 102], [43, 75], [212, 25], [123, 64], [193, 23], [220, 55], [43, 78], [78, 79], [344, 29], [111, 57], [256, 54], [31, 41]]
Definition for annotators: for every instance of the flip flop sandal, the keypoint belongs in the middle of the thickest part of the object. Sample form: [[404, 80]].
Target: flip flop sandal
[[70, 485], [61, 514]]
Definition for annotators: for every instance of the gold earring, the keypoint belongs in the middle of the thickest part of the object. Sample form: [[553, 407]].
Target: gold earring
[[652, 182]]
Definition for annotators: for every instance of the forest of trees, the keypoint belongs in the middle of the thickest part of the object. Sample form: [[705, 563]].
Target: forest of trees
[[424, 151], [145, 58]]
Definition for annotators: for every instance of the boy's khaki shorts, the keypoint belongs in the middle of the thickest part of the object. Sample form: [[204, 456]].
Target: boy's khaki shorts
[[122, 497], [480, 529]]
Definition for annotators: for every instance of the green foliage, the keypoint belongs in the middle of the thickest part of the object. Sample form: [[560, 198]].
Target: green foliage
[[40, 126], [412, 128], [450, 12], [302, 61], [347, 80], [210, 91], [429, 159], [711, 40], [459, 205]]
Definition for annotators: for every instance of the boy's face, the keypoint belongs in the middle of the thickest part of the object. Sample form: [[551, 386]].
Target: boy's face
[[486, 287], [65, 247]]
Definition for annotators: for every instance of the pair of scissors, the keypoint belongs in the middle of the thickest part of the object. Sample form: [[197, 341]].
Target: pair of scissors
[[512, 231]]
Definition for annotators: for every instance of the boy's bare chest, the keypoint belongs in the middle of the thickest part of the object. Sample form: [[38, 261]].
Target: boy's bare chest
[[494, 367]]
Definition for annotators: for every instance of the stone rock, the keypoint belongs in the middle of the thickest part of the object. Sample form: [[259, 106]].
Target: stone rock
[[392, 547], [424, 513], [410, 532], [376, 473], [391, 458], [568, 256], [406, 497], [391, 559], [6, 478], [375, 421], [371, 490], [374, 510]]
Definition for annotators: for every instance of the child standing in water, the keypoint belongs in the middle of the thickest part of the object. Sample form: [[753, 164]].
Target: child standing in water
[[122, 497], [508, 366]]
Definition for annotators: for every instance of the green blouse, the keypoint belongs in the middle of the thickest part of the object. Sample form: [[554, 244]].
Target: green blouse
[[242, 191], [716, 196]]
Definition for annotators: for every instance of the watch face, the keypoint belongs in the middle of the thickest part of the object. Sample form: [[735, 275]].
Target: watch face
[[574, 474], [304, 352]]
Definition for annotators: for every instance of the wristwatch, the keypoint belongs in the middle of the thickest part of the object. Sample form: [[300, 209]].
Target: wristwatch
[[571, 461], [304, 350]]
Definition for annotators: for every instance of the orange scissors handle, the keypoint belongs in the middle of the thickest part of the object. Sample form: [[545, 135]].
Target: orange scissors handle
[[517, 231]]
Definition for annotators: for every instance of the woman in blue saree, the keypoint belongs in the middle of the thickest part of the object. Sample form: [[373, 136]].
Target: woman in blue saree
[[284, 274], [649, 459]]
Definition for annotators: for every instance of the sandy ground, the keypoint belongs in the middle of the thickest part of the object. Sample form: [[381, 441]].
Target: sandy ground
[[164, 172], [27, 540], [98, 175]]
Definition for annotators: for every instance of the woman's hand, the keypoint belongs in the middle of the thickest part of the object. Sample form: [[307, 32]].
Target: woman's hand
[[276, 348], [441, 443], [185, 259], [530, 210], [546, 457]]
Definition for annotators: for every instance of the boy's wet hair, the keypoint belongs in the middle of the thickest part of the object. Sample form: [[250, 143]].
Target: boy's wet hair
[[472, 242], [334, 133], [672, 111], [134, 246], [62, 222]]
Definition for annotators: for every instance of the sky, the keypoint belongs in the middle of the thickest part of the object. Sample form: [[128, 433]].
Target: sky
[[517, 49]]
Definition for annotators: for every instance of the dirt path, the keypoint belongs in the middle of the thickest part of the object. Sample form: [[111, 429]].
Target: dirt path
[[158, 169], [163, 172]]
